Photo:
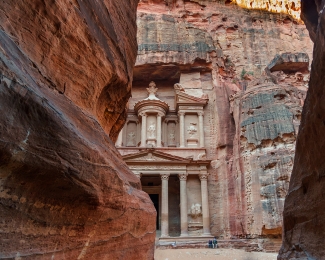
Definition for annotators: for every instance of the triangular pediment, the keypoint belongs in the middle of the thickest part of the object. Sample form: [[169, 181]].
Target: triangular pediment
[[153, 156]]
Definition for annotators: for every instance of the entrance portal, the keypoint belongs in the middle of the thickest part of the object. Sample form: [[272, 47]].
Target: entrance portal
[[155, 200]]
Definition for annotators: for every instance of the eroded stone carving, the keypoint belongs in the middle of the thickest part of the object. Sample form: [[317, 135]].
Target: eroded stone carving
[[152, 130], [152, 90], [192, 130], [131, 139], [195, 210], [179, 87]]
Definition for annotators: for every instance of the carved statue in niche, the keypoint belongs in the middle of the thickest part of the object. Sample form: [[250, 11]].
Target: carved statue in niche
[[192, 130], [151, 130], [131, 139], [195, 210]]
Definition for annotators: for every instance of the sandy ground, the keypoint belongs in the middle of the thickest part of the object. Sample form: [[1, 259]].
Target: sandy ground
[[215, 254]]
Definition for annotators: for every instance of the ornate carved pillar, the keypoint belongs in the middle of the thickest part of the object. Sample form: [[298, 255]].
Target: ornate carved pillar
[[144, 130], [183, 200], [201, 128], [159, 116], [164, 205], [181, 129], [119, 139], [205, 203]]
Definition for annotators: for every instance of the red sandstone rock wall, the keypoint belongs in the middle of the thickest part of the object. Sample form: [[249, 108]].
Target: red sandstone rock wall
[[229, 46], [66, 73], [304, 229]]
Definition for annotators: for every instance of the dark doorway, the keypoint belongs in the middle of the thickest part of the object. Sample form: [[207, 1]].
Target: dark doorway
[[155, 200]]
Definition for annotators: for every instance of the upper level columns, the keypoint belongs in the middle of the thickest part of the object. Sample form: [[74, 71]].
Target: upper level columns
[[201, 128], [183, 202], [144, 130], [181, 129], [205, 203]]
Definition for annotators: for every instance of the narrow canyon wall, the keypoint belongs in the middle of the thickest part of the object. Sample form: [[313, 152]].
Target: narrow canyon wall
[[66, 74], [304, 229], [253, 114]]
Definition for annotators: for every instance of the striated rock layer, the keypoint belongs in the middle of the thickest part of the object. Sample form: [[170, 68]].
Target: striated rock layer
[[255, 102], [66, 74], [304, 228]]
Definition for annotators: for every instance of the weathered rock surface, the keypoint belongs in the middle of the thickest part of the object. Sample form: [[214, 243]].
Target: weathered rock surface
[[304, 228], [251, 139], [66, 72]]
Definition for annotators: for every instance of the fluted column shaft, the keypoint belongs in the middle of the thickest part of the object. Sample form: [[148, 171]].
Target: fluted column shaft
[[164, 205], [181, 129], [159, 130], [205, 203], [201, 128], [144, 130]]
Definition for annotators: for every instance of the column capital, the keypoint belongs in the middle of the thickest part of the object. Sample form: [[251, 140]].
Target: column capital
[[164, 176], [182, 176], [160, 114], [203, 176], [200, 113], [143, 114], [181, 113]]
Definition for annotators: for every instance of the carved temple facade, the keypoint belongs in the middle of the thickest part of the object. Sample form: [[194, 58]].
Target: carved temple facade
[[163, 143]]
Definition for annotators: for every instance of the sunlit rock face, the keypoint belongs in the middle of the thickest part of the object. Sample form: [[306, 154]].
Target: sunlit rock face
[[304, 215], [66, 74], [253, 113], [291, 7]]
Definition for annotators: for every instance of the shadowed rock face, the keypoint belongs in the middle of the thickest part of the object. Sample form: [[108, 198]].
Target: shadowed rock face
[[66, 72], [304, 214]]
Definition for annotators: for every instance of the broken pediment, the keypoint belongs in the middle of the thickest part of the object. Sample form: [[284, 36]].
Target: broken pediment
[[183, 98]]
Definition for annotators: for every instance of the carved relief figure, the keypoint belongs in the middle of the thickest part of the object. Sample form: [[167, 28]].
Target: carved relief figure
[[131, 139], [191, 129], [196, 210], [152, 130], [171, 135]]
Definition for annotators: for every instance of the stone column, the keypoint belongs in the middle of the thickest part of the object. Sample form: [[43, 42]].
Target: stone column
[[181, 129], [159, 129], [144, 130], [183, 200], [201, 128], [205, 203], [119, 139], [164, 205], [138, 174]]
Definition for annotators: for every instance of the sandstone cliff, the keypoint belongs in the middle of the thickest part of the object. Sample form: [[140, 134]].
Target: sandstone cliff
[[304, 229], [66, 74], [224, 50]]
